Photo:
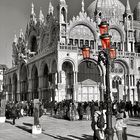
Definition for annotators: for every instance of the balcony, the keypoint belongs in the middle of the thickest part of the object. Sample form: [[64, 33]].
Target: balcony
[[67, 47], [127, 54]]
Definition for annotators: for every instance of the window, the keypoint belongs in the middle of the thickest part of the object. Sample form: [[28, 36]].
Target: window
[[113, 84], [86, 42], [71, 41], [132, 64], [92, 44], [81, 43], [76, 42]]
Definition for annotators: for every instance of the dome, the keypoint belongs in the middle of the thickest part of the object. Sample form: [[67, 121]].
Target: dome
[[137, 12], [108, 8]]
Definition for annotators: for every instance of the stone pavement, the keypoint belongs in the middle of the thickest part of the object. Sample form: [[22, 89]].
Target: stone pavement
[[57, 129]]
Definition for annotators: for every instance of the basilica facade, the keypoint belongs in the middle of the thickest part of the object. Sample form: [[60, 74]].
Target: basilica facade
[[47, 59]]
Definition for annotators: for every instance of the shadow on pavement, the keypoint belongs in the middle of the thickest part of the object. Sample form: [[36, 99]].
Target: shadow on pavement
[[137, 125], [133, 136], [58, 137], [28, 124], [84, 137], [27, 129], [8, 121]]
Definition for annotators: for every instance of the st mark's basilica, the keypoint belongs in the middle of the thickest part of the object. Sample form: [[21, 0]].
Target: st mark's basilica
[[47, 61]]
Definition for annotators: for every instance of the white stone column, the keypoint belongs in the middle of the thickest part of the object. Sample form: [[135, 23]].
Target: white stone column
[[75, 86]]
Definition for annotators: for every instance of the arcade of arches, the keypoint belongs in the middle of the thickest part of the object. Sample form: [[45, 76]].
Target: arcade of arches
[[85, 85]]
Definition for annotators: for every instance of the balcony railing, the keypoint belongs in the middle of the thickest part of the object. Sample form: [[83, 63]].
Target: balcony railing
[[127, 54], [67, 47], [96, 52]]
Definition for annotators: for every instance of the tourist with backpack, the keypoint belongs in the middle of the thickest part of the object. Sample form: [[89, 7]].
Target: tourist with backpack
[[98, 124]]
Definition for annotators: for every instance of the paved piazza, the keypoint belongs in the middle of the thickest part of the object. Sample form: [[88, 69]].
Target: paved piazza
[[58, 129]]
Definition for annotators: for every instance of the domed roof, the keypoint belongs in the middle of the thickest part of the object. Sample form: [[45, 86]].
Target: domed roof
[[137, 12], [107, 7]]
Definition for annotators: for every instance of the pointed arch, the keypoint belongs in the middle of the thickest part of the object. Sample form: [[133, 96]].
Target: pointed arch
[[24, 82], [35, 82]]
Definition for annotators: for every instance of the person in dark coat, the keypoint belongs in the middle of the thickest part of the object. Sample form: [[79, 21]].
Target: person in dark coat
[[14, 114]]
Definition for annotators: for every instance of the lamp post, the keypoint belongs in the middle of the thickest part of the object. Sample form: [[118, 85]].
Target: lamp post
[[105, 55]]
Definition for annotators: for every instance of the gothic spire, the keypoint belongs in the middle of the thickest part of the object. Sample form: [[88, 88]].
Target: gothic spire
[[51, 8], [62, 2], [128, 9], [21, 35], [32, 11], [83, 6], [15, 39], [32, 16], [41, 16]]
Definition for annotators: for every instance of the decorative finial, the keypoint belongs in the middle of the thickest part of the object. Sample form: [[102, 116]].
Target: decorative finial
[[15, 39], [21, 35], [83, 6], [128, 9], [62, 2], [51, 9], [32, 12], [41, 16]]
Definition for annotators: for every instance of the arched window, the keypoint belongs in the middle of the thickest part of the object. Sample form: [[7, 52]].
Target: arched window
[[92, 44], [63, 15], [71, 41], [113, 84], [81, 43], [76, 42], [33, 44], [86, 42]]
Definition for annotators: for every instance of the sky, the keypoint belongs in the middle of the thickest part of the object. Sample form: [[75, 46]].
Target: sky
[[15, 14]]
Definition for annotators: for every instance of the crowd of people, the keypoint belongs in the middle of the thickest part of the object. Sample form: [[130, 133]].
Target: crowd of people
[[19, 109], [67, 109], [83, 110]]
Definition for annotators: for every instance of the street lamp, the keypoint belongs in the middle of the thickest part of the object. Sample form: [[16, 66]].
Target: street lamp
[[107, 54]]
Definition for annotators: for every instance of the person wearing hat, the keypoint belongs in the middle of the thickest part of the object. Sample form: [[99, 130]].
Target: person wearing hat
[[119, 126]]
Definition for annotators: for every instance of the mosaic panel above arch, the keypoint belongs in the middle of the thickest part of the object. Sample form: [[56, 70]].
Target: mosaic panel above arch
[[115, 35], [117, 69], [81, 32]]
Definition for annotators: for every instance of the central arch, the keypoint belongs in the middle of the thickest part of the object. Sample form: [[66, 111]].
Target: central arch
[[90, 80], [68, 79]]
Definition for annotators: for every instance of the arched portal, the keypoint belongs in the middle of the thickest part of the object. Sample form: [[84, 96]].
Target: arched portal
[[53, 80], [46, 93], [67, 79], [33, 44], [24, 83], [10, 89], [15, 87], [34, 77], [89, 82], [138, 90], [120, 81]]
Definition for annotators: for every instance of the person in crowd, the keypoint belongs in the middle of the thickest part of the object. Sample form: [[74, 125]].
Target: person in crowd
[[114, 107], [98, 125], [125, 117], [14, 113], [119, 126], [88, 112], [80, 110], [138, 109]]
